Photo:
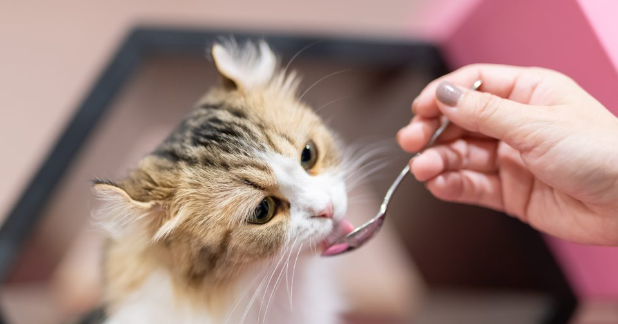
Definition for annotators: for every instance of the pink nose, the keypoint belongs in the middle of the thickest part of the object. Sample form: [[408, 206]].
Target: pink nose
[[326, 212]]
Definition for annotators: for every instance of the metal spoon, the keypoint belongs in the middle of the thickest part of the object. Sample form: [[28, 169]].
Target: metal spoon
[[365, 232]]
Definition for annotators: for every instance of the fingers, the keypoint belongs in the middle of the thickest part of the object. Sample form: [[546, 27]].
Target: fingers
[[527, 85], [471, 154], [517, 182], [468, 187], [497, 79], [501, 81], [506, 90], [516, 124], [414, 136]]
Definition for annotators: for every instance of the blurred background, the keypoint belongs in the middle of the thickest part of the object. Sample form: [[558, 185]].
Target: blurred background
[[90, 87]]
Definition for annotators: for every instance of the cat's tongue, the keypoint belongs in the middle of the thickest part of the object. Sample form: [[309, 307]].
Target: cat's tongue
[[344, 227]]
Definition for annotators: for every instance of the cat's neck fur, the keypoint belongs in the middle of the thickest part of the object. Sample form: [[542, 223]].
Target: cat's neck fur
[[141, 290]]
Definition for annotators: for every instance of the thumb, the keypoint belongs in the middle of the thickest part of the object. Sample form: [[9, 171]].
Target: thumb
[[490, 115]]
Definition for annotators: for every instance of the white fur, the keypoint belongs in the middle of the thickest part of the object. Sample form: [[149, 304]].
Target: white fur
[[170, 225], [248, 66], [314, 299], [153, 302], [308, 195]]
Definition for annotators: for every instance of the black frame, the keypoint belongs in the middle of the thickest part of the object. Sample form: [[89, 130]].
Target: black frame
[[142, 42]]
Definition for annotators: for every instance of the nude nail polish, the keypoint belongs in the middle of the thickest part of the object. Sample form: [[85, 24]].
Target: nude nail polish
[[448, 93]]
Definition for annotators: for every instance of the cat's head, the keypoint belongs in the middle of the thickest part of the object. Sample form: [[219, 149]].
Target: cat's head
[[250, 173]]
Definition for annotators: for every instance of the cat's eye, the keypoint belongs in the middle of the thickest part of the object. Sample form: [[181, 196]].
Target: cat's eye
[[309, 155], [264, 212]]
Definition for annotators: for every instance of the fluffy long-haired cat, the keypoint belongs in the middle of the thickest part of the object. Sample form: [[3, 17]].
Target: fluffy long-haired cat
[[223, 222]]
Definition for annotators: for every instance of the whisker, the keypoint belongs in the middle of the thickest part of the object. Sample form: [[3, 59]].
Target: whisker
[[287, 286], [362, 156], [320, 80], [315, 249], [360, 144], [253, 298], [357, 169], [277, 284], [299, 52], [268, 284], [332, 102], [361, 174], [362, 199], [353, 160], [359, 180], [350, 166], [294, 272], [311, 245], [242, 296]]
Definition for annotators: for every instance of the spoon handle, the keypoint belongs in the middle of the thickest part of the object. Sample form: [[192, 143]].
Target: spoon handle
[[406, 170]]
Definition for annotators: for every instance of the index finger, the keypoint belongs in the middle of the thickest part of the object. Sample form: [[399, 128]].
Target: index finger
[[501, 80]]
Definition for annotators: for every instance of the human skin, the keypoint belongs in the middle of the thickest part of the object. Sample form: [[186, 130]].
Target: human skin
[[531, 143]]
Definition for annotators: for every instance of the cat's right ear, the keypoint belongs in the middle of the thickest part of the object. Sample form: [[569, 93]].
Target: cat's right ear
[[244, 66], [122, 215]]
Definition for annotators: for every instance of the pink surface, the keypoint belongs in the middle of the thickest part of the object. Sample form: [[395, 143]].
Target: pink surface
[[602, 16], [437, 19], [593, 270], [555, 34]]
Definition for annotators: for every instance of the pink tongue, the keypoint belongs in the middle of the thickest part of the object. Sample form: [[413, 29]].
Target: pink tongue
[[335, 249], [345, 227]]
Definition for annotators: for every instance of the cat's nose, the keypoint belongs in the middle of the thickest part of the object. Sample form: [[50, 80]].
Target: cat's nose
[[326, 212]]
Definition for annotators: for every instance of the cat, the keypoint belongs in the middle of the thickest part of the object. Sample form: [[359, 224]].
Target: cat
[[223, 222]]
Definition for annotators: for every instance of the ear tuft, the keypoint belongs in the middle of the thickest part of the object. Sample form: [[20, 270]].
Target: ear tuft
[[247, 66], [121, 215], [98, 181]]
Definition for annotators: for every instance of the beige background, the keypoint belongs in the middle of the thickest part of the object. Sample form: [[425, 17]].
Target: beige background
[[52, 51]]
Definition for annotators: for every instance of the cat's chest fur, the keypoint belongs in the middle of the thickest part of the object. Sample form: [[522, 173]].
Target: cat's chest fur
[[314, 299]]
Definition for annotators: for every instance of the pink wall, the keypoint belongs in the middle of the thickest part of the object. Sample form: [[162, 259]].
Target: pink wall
[[602, 16], [555, 34], [435, 20]]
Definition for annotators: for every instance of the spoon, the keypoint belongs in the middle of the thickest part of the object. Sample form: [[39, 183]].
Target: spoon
[[365, 232]]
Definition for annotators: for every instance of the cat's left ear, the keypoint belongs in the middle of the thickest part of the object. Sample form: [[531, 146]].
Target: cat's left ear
[[245, 66], [121, 214]]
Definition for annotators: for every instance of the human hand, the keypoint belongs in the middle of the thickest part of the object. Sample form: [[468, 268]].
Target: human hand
[[532, 144]]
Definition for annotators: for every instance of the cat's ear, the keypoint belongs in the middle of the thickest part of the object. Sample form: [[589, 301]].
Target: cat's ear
[[121, 214], [244, 66]]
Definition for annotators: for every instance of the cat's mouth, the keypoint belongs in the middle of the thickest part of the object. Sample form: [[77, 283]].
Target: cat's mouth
[[342, 228]]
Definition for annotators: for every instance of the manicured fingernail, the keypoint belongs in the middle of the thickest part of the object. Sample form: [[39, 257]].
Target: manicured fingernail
[[448, 94]]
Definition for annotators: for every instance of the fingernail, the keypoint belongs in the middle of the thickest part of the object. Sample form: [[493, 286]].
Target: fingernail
[[448, 94]]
